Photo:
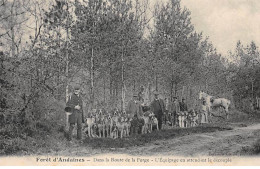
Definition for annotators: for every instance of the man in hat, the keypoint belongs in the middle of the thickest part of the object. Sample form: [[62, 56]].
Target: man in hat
[[183, 105], [183, 113], [174, 109], [134, 109], [76, 105], [141, 95], [158, 108]]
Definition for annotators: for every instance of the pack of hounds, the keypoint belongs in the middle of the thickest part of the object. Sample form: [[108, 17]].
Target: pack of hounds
[[119, 124]]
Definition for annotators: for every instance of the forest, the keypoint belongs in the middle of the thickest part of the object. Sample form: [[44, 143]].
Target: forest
[[110, 48]]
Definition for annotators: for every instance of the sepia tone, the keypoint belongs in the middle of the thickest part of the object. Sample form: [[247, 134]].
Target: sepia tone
[[129, 82]]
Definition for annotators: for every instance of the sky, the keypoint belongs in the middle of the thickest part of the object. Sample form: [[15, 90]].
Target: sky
[[225, 21]]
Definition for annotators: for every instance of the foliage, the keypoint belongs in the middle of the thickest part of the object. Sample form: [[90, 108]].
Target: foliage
[[110, 49]]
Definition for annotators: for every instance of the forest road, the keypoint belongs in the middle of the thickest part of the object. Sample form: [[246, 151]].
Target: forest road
[[228, 142]]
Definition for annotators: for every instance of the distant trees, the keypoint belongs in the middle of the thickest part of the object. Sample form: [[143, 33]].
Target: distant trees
[[107, 47], [178, 51], [245, 69]]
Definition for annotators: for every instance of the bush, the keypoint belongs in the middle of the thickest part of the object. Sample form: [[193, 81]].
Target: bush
[[43, 122], [251, 150]]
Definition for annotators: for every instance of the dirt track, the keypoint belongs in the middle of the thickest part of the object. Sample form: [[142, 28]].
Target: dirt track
[[228, 142]]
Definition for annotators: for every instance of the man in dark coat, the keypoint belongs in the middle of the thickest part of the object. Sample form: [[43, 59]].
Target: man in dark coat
[[134, 109], [76, 105], [158, 108], [141, 95], [174, 109], [183, 106]]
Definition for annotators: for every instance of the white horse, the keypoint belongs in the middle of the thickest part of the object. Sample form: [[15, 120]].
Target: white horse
[[211, 101]]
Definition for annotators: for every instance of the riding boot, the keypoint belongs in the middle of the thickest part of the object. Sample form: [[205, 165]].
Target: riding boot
[[70, 131]]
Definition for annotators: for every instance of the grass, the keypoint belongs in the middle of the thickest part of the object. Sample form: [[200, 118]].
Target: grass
[[142, 139], [46, 137], [251, 150]]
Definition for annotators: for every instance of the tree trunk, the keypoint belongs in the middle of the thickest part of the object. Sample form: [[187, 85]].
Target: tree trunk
[[175, 89], [150, 93], [134, 85], [67, 59], [182, 92], [92, 78], [252, 84], [12, 30], [172, 83], [156, 82], [123, 82], [104, 90], [67, 73], [206, 87]]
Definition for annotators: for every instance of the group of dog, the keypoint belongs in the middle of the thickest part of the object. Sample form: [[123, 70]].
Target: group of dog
[[183, 119], [119, 124], [115, 124]]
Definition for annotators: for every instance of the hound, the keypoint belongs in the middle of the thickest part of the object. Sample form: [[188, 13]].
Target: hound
[[121, 126], [101, 125], [154, 122], [90, 121], [108, 124], [145, 127], [114, 131], [127, 124]]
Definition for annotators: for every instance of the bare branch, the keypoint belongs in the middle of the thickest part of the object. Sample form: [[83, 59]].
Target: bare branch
[[3, 34]]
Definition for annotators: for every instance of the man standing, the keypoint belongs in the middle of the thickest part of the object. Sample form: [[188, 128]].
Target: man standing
[[158, 108], [174, 109], [183, 106], [141, 95], [183, 113], [134, 109], [76, 105], [204, 111]]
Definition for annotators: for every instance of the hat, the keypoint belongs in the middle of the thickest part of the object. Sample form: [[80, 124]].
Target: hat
[[68, 109], [135, 95], [76, 87], [156, 93], [174, 97]]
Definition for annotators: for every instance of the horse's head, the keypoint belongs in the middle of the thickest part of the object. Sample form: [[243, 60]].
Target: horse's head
[[202, 95]]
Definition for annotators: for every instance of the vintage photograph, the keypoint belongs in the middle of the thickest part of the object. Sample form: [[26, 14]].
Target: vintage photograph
[[130, 82]]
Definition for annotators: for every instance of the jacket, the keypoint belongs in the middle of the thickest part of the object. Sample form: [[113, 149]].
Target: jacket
[[154, 109], [73, 101], [134, 108], [174, 107]]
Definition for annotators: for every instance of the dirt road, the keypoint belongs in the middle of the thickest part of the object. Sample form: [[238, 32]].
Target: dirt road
[[228, 142]]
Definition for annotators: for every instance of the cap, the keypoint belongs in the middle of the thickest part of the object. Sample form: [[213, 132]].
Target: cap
[[156, 93], [76, 87], [135, 95]]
